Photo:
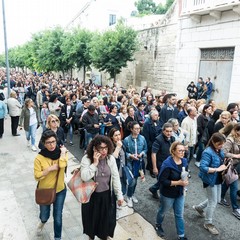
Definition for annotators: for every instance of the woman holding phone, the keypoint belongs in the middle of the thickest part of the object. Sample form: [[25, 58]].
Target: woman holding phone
[[99, 214]]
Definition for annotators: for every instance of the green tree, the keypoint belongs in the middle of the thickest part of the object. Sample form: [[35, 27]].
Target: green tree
[[146, 7], [76, 49], [2, 60], [48, 52], [112, 50], [162, 9]]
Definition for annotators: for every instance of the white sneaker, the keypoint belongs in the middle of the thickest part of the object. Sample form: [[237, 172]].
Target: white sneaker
[[28, 143], [134, 199], [197, 164], [40, 228], [34, 148], [130, 202]]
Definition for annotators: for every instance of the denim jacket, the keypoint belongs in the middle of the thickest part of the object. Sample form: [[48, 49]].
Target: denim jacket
[[129, 145], [210, 159]]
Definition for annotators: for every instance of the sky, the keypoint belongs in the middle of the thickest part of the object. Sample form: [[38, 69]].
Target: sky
[[24, 17]]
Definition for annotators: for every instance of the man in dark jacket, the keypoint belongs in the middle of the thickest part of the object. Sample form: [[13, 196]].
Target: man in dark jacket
[[168, 110], [160, 151], [90, 121], [151, 129]]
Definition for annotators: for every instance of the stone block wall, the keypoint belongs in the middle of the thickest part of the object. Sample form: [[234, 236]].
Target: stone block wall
[[154, 62]]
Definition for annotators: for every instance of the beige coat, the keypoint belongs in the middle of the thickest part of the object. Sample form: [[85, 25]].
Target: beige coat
[[89, 170], [14, 107]]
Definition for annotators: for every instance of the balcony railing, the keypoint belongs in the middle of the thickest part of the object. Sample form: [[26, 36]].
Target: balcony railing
[[204, 6]]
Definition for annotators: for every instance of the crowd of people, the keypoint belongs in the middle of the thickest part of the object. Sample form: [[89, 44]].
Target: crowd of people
[[121, 128]]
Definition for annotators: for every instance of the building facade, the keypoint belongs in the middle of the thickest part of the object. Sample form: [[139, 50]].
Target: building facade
[[195, 38]]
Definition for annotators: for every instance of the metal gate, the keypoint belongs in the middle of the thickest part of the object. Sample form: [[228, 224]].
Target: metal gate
[[216, 63]]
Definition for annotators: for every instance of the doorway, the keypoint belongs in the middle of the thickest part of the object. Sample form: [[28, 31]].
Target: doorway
[[217, 63]]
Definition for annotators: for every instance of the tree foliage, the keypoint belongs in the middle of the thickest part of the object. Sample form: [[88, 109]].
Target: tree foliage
[[49, 55], [147, 7], [76, 47], [2, 60], [59, 50], [112, 50]]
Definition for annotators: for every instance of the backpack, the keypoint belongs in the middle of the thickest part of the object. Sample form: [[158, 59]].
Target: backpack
[[2, 97]]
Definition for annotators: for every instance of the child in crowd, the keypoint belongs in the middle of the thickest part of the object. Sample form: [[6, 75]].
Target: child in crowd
[[44, 115]]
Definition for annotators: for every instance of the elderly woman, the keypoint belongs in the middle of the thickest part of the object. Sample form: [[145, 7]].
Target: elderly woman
[[224, 119], [232, 150], [211, 167], [29, 121], [49, 168], [14, 110], [172, 189], [53, 123], [99, 215]]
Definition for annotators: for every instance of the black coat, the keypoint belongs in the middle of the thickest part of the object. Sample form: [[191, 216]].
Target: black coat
[[63, 117], [150, 132]]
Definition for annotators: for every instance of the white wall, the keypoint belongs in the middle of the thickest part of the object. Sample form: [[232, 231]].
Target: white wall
[[209, 33]]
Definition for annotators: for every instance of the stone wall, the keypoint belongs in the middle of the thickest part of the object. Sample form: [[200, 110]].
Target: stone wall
[[154, 62]]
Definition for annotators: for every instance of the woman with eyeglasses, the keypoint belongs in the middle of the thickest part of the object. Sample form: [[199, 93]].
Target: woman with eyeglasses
[[99, 214], [49, 167], [53, 124], [172, 189], [29, 121]]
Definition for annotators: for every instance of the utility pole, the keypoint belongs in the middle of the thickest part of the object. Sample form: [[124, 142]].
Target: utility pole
[[6, 48]]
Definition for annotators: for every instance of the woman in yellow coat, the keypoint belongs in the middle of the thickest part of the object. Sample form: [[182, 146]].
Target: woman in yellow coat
[[48, 162]]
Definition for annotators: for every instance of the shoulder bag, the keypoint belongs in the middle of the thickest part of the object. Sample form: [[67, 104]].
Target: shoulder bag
[[46, 196], [229, 175], [80, 189]]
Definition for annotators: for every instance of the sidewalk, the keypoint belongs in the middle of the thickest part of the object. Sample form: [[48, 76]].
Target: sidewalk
[[19, 212]]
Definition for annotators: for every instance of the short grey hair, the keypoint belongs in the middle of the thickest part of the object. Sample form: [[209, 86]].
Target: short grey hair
[[153, 112], [173, 121]]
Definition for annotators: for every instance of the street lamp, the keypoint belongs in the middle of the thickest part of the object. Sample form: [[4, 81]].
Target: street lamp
[[6, 48]]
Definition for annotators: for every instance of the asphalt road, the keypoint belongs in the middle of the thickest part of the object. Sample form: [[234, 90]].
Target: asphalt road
[[227, 224]]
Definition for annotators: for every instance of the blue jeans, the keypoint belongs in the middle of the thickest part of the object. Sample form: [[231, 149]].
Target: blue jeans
[[57, 213], [213, 197], [200, 150], [131, 188], [32, 133], [70, 131], [233, 193], [88, 138], [178, 207]]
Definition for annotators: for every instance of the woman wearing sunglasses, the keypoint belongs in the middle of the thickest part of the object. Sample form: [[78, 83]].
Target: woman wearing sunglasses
[[53, 124]]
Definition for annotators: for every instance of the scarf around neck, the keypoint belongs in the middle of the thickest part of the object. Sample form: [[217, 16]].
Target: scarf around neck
[[53, 155]]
